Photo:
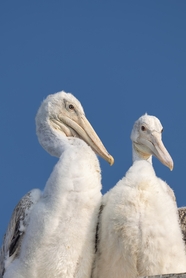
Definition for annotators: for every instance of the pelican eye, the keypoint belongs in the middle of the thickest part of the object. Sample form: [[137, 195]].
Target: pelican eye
[[71, 107], [162, 130], [143, 128]]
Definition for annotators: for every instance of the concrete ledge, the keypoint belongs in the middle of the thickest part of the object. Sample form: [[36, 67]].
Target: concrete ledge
[[177, 275]]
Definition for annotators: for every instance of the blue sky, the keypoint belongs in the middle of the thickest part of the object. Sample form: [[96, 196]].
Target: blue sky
[[119, 58]]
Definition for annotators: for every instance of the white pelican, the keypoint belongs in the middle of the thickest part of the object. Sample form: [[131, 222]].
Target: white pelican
[[138, 232], [52, 233]]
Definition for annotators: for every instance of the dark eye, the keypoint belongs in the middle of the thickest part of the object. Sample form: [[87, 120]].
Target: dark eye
[[143, 128], [71, 107], [162, 130]]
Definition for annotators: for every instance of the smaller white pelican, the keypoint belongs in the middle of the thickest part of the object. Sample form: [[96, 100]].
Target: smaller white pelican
[[138, 231], [52, 233]]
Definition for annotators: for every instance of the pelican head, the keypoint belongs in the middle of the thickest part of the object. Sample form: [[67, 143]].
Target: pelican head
[[147, 140], [63, 114]]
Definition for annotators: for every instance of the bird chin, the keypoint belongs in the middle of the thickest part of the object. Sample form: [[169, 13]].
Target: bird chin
[[144, 150]]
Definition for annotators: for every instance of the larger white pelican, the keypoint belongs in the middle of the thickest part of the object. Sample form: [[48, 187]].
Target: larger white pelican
[[51, 233], [138, 232]]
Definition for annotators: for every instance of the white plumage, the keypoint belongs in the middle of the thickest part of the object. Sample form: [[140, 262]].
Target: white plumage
[[138, 232], [51, 233]]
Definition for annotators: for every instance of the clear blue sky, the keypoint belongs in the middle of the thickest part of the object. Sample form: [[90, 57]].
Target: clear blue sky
[[119, 58]]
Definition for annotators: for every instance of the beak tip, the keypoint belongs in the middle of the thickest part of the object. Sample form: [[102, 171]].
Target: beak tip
[[111, 160], [171, 167]]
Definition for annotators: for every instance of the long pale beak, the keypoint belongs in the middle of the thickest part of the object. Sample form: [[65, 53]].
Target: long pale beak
[[157, 148], [86, 132]]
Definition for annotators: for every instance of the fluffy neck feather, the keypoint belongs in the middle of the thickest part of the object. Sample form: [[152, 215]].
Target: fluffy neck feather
[[138, 155], [52, 140]]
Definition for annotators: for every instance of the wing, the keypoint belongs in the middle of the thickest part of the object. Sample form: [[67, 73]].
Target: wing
[[97, 228], [182, 218], [16, 229], [97, 239], [181, 214]]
